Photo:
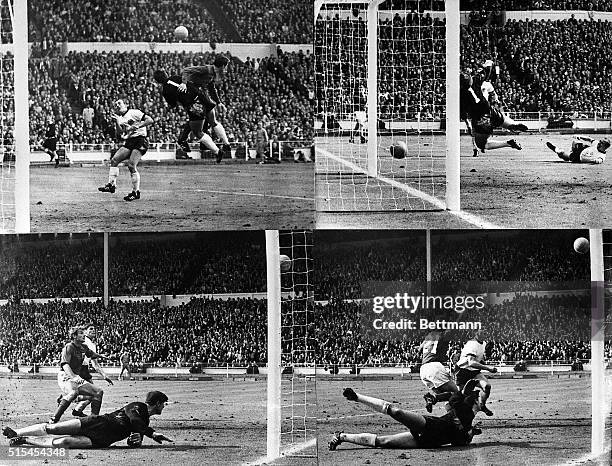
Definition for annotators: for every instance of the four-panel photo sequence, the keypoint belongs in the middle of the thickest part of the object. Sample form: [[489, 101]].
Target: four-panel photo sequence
[[303, 232]]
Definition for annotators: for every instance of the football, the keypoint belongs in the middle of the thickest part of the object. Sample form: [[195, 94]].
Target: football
[[285, 263], [581, 245], [181, 32], [398, 150]]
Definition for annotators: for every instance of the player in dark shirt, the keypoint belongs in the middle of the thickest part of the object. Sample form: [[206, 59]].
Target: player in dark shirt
[[453, 428], [130, 422], [49, 145], [481, 116], [72, 385], [193, 101], [205, 78]]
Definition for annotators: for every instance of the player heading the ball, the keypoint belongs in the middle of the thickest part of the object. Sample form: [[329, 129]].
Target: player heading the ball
[[204, 78], [130, 422], [131, 127]]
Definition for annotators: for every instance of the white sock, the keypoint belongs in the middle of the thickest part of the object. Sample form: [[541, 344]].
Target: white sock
[[209, 143], [366, 440], [113, 173], [220, 130], [378, 405], [136, 181], [44, 441], [36, 429]]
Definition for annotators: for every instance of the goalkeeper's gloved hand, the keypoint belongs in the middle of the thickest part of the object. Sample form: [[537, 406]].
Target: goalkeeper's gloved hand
[[134, 440]]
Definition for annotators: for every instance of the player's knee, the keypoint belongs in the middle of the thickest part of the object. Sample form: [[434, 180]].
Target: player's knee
[[487, 388], [99, 393]]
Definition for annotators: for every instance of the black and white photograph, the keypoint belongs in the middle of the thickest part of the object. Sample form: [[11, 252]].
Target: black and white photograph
[[306, 232], [463, 114], [131, 348], [164, 115], [461, 347]]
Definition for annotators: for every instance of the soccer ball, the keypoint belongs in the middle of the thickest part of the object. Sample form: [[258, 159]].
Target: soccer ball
[[181, 32], [285, 263], [581, 245], [398, 150]]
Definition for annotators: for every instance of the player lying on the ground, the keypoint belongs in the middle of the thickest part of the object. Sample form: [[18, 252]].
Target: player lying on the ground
[[130, 422], [470, 363], [90, 334], [482, 117], [454, 428], [72, 385], [204, 78], [131, 126], [194, 103], [583, 150], [434, 374]]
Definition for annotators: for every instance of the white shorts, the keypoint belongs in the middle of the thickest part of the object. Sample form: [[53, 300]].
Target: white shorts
[[434, 375], [66, 384]]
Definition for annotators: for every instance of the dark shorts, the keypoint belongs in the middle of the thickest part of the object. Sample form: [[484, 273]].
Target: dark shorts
[[101, 430], [50, 144], [437, 432], [576, 151], [197, 111], [464, 375], [139, 143]]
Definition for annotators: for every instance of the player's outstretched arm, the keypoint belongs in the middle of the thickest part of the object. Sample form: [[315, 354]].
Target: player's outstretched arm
[[159, 438]]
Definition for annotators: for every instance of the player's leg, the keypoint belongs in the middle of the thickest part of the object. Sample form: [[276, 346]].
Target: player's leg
[[132, 165], [219, 130], [560, 152], [122, 154], [485, 142], [184, 137], [510, 124], [82, 403], [485, 392], [445, 391], [96, 394], [401, 440], [362, 133], [67, 399]]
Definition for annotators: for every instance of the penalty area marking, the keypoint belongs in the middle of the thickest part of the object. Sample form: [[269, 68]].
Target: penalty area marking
[[469, 218], [288, 452]]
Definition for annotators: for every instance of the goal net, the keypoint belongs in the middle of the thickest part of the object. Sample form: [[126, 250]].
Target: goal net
[[14, 140], [607, 333], [291, 345], [381, 68]]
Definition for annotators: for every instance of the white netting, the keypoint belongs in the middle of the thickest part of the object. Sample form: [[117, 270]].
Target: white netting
[[410, 105], [298, 387], [7, 120]]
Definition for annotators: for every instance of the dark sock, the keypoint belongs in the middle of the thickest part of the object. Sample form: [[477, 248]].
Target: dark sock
[[61, 409], [184, 134], [96, 404]]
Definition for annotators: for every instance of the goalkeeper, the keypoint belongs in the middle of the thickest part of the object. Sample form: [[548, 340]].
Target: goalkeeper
[[130, 422], [480, 110]]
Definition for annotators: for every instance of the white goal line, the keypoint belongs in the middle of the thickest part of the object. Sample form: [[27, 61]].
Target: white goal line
[[467, 217], [287, 452]]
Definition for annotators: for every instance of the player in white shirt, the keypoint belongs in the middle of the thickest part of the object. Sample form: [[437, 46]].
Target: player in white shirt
[[131, 126], [470, 364], [583, 150]]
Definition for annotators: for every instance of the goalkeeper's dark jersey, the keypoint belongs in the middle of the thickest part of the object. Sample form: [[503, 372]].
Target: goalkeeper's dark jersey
[[109, 428], [173, 96]]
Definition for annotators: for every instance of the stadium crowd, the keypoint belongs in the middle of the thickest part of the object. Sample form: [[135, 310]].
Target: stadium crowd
[[271, 21], [481, 263], [529, 328], [545, 66], [268, 21], [201, 332], [273, 91], [528, 5]]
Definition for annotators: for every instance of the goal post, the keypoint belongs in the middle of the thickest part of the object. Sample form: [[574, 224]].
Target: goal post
[[274, 345], [22, 119], [387, 73], [291, 385], [599, 408]]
